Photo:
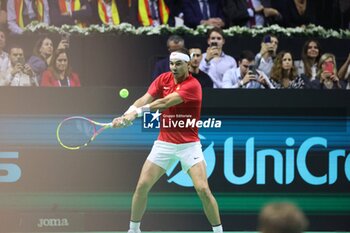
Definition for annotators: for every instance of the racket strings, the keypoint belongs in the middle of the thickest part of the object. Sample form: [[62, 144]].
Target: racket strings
[[76, 132]]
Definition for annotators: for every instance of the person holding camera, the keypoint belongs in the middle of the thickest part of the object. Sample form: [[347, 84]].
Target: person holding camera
[[19, 73], [327, 74], [245, 75], [264, 59], [215, 62]]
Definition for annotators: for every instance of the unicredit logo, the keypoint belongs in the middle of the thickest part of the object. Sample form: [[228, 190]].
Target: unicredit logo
[[287, 163]]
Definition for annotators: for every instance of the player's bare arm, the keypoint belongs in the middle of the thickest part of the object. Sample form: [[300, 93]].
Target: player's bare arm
[[159, 104]]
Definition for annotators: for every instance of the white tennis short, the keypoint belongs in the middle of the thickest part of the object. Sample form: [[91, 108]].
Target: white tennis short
[[165, 154]]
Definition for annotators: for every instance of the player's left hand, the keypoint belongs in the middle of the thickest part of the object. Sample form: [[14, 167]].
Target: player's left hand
[[121, 122]]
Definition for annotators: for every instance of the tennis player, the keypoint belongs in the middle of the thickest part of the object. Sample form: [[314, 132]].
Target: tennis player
[[176, 94]]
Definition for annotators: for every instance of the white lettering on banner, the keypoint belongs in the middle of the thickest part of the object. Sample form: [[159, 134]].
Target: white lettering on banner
[[53, 222], [190, 123]]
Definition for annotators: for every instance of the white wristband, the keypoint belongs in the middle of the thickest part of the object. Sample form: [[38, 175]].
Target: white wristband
[[141, 110], [130, 109]]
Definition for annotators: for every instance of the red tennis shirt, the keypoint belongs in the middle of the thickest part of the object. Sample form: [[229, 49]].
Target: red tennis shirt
[[178, 123]]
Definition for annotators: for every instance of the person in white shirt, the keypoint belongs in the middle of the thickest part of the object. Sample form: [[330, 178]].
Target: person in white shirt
[[215, 62], [264, 59], [4, 57], [245, 75], [19, 73], [21, 13]]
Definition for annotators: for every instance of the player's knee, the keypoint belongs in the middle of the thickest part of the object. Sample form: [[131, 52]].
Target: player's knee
[[203, 191], [142, 187]]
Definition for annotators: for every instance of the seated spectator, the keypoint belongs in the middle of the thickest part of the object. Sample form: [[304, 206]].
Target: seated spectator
[[281, 217], [3, 14], [106, 12], [344, 72], [70, 12], [245, 75], [328, 13], [59, 73], [4, 57], [215, 62], [196, 57], [327, 75], [284, 74], [18, 73], [42, 54], [237, 12], [176, 12], [248, 13], [153, 12], [173, 43], [21, 12], [307, 66], [203, 12], [268, 49], [267, 12], [344, 6], [299, 13]]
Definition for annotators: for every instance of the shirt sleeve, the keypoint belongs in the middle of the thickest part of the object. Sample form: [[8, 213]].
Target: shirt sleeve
[[154, 89]]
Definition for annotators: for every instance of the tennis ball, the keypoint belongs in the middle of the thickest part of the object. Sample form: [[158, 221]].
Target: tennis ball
[[124, 93]]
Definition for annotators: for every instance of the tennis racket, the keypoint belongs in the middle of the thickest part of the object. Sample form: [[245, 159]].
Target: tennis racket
[[76, 132]]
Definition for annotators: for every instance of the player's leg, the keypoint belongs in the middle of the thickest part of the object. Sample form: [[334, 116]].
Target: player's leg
[[200, 182], [150, 174]]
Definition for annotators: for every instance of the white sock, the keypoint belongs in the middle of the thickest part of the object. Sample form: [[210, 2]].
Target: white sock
[[218, 229], [134, 225]]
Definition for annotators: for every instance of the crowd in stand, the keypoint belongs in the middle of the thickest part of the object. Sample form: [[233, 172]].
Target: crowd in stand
[[270, 68], [16, 14]]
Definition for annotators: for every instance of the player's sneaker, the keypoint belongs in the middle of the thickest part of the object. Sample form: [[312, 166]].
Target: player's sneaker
[[133, 231]]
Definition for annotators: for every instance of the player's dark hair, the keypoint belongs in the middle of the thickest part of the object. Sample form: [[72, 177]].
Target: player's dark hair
[[183, 50]]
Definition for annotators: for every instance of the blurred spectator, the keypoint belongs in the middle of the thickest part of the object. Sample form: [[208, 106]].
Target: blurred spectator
[[59, 73], [21, 12], [173, 43], [3, 14], [310, 55], [267, 12], [176, 12], [284, 74], [153, 12], [18, 73], [327, 75], [281, 217], [249, 13], [4, 57], [237, 12], [215, 62], [42, 54], [203, 12], [328, 13], [344, 72], [245, 75], [344, 6], [114, 12], [196, 57], [70, 12], [299, 13], [107, 12], [268, 49]]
